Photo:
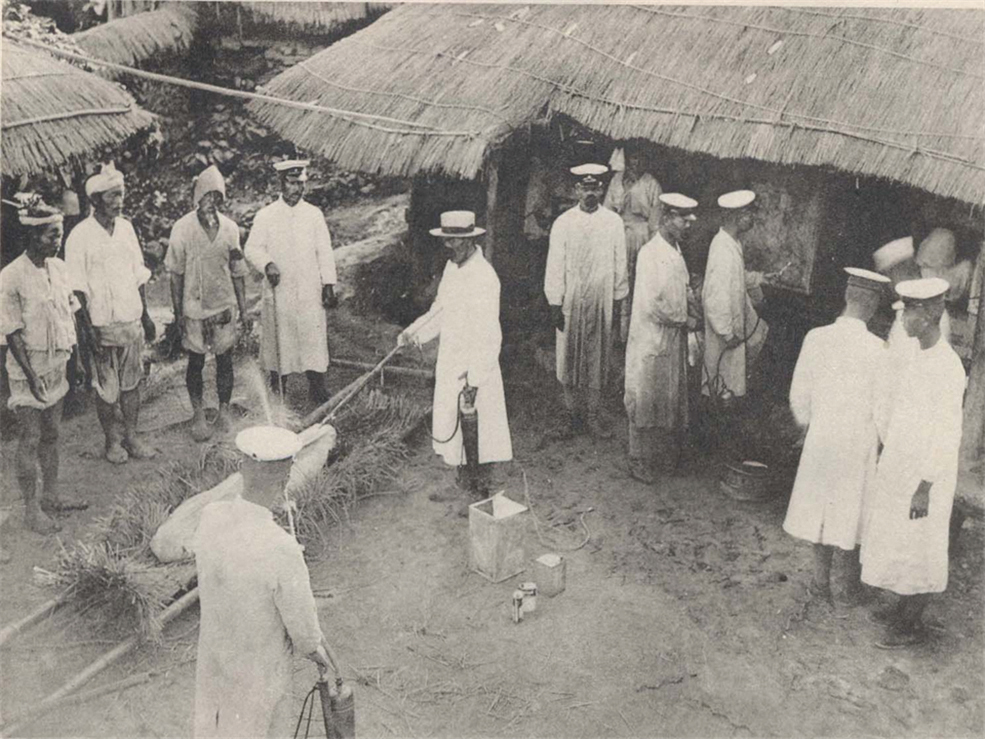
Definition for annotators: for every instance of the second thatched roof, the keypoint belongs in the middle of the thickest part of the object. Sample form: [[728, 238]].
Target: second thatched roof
[[137, 37], [54, 113], [893, 93]]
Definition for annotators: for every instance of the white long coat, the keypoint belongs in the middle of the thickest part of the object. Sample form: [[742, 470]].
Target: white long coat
[[586, 272], [297, 241], [465, 315], [833, 394], [656, 360], [729, 313], [919, 422], [258, 611]]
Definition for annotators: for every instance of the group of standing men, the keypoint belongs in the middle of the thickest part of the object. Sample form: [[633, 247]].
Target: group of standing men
[[95, 299], [605, 278]]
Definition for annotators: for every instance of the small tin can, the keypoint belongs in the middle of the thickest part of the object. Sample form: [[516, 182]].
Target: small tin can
[[517, 606], [529, 590]]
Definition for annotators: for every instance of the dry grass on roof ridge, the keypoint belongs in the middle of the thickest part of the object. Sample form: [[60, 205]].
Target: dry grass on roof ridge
[[54, 112], [865, 92], [133, 39]]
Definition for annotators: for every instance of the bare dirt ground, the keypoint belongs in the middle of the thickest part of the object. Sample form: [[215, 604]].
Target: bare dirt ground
[[684, 614]]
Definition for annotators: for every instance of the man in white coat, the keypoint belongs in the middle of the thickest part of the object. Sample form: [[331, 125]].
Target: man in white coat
[[734, 333], [656, 354], [465, 317], [585, 283], [257, 608], [833, 394], [905, 540], [291, 245]]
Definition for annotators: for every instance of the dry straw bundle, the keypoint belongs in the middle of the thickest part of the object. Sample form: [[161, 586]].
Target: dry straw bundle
[[114, 577]]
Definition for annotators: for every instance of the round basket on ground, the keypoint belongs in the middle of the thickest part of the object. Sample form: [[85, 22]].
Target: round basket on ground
[[746, 481]]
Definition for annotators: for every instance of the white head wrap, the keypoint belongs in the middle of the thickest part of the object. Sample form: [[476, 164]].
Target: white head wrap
[[109, 177], [210, 180]]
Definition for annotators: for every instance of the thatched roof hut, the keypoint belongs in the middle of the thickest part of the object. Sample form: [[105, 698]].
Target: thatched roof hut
[[892, 93], [319, 17], [54, 112], [134, 38]]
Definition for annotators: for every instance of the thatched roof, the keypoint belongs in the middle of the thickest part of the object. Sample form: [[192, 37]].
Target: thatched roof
[[138, 37], [320, 17], [893, 93], [54, 112]]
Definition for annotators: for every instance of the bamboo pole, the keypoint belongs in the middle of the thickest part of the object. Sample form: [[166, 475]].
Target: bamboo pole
[[108, 659], [326, 411], [49, 607], [420, 374]]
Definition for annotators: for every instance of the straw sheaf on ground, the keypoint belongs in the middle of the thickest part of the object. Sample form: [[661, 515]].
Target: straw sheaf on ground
[[54, 113], [114, 577], [138, 37], [893, 93]]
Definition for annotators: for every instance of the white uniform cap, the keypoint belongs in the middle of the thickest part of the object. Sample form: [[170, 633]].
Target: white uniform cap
[[866, 279], [594, 170], [268, 443], [678, 202], [923, 290], [891, 254], [737, 199], [290, 164]]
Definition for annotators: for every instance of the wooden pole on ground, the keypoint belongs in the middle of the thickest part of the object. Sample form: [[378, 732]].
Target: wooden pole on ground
[[45, 609]]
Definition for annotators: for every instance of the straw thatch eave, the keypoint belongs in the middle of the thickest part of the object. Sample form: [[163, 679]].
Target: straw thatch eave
[[133, 39], [55, 113], [894, 93], [312, 17]]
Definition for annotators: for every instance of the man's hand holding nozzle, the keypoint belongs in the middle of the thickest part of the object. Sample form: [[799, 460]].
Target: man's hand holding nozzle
[[406, 338]]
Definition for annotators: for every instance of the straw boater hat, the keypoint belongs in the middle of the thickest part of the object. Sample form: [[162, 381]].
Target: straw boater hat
[[737, 199], [680, 204], [297, 168], [209, 180], [108, 178], [457, 224], [867, 280], [589, 174]]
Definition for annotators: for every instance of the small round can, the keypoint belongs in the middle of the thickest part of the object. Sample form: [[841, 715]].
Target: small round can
[[517, 606], [529, 590]]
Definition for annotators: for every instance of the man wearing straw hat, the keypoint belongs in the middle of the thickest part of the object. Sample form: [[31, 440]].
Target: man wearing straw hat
[[258, 610], [106, 267], [207, 283], [586, 285], [905, 539], [291, 245], [832, 395], [734, 333], [36, 317], [465, 317], [656, 354]]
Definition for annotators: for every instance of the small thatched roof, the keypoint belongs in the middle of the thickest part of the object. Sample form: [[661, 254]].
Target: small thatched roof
[[54, 112], [893, 93], [134, 38], [318, 17]]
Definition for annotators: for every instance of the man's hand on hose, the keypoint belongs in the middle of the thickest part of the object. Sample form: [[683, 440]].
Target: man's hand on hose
[[320, 658], [468, 395], [732, 342], [273, 274], [557, 317], [406, 339]]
